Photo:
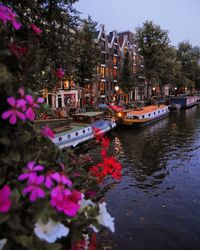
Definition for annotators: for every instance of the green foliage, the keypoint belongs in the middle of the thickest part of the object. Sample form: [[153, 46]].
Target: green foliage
[[153, 43], [126, 74], [48, 51], [86, 53]]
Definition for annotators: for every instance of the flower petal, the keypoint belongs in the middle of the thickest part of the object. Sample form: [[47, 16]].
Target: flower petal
[[11, 101]]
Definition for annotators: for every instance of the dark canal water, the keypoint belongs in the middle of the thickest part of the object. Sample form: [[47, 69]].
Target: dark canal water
[[157, 203]]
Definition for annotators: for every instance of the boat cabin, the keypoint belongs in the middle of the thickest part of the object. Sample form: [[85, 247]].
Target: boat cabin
[[88, 117]]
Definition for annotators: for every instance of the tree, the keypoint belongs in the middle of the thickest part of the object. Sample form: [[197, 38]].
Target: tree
[[126, 74], [54, 22], [86, 53], [189, 56], [152, 42]]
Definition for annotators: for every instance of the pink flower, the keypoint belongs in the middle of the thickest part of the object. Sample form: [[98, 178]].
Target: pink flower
[[47, 132], [31, 170], [60, 178], [18, 51], [65, 201], [34, 188], [37, 30], [13, 113], [7, 15], [5, 202], [33, 104], [60, 73]]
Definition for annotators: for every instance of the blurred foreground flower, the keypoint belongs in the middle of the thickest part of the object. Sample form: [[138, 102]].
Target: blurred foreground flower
[[5, 202], [51, 231]]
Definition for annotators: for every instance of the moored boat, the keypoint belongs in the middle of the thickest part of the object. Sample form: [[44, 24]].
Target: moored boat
[[80, 130], [143, 116], [185, 101]]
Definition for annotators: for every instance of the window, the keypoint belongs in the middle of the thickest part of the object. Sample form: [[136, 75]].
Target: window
[[49, 100], [115, 73], [76, 133], [149, 114], [60, 138], [69, 136], [102, 72], [83, 131], [115, 60], [106, 71], [143, 116], [59, 99]]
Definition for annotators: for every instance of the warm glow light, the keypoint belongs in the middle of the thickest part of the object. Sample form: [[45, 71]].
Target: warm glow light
[[175, 88], [116, 88], [119, 114], [153, 88]]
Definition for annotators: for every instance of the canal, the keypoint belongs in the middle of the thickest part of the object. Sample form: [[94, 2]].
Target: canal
[[156, 205]]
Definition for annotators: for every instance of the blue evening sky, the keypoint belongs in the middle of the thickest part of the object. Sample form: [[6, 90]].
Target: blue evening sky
[[180, 17]]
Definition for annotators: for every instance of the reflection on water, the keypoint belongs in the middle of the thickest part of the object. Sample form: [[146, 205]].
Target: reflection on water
[[157, 203]]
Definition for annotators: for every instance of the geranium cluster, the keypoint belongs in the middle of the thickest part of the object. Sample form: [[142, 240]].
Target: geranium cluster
[[23, 108], [109, 165], [61, 197]]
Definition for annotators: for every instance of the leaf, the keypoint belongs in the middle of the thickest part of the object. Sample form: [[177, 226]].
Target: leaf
[[5, 141], [15, 223], [55, 246], [23, 138], [14, 156], [43, 245], [16, 195], [25, 241], [4, 217]]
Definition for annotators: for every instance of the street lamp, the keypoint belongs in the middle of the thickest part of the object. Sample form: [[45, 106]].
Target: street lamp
[[175, 88], [153, 90], [116, 88]]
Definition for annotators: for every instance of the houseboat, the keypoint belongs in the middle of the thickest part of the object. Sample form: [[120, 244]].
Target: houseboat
[[70, 134], [144, 116], [184, 101]]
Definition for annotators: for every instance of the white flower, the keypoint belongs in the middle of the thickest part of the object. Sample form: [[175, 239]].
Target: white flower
[[50, 231], [104, 218], [85, 203], [2, 243]]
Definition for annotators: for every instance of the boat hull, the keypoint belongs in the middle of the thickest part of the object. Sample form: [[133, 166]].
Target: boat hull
[[141, 124], [185, 101], [74, 139]]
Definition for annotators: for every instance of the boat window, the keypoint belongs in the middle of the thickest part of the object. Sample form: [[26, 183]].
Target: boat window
[[154, 113], [76, 133], [60, 138], [83, 131], [88, 129], [162, 110], [149, 114], [143, 116], [135, 117], [69, 136], [158, 111]]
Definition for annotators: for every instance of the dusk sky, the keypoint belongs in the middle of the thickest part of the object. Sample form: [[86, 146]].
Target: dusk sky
[[180, 17]]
